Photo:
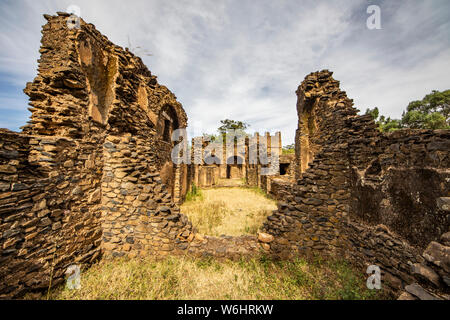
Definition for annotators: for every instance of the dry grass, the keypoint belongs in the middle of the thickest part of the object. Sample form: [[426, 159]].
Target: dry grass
[[230, 211], [231, 183], [185, 278]]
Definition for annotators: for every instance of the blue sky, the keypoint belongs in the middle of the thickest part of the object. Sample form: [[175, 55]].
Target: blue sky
[[244, 59]]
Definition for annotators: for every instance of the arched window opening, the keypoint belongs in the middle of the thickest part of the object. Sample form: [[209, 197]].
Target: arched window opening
[[168, 123], [212, 159]]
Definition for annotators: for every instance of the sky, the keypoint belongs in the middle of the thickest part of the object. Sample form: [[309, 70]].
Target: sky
[[244, 59]]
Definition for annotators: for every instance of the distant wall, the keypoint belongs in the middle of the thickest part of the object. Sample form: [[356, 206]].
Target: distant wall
[[213, 161]]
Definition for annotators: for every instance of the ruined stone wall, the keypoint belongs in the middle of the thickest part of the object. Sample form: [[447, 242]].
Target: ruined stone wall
[[369, 196], [401, 184], [206, 163], [50, 214], [431, 276], [277, 184], [91, 172], [241, 161], [280, 188]]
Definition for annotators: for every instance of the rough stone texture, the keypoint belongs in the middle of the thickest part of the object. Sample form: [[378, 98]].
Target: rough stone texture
[[91, 172], [431, 276], [374, 198], [49, 214], [243, 159]]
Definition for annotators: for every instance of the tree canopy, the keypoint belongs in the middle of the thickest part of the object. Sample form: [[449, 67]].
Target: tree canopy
[[228, 125], [432, 112]]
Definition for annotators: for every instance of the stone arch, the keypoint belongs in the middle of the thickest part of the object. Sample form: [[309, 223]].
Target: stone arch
[[212, 159]]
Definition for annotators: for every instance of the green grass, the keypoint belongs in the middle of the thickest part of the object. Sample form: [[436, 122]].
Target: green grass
[[259, 191], [232, 211], [288, 151], [195, 194], [203, 279]]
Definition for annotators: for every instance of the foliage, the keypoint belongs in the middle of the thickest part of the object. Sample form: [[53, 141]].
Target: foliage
[[432, 112], [435, 102], [416, 119], [260, 278], [289, 149], [212, 137], [228, 125], [384, 124], [375, 113], [194, 194]]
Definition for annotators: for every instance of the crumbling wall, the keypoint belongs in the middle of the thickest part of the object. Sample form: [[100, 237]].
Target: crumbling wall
[[401, 184], [50, 215], [310, 215], [279, 183], [53, 216], [360, 193], [243, 160], [91, 174], [431, 277], [85, 177]]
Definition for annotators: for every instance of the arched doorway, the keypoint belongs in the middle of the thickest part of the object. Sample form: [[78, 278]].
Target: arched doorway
[[235, 167], [172, 176], [212, 159]]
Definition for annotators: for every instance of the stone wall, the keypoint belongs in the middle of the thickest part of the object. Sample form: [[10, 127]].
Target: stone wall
[[214, 161], [279, 183], [49, 216], [360, 193], [91, 172], [91, 175], [431, 276]]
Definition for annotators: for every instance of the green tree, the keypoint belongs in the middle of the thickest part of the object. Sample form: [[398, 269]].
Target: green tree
[[384, 124], [228, 125], [432, 112], [388, 125], [373, 112]]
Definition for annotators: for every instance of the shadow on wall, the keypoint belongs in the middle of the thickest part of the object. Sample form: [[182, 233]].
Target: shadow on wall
[[101, 69], [404, 199]]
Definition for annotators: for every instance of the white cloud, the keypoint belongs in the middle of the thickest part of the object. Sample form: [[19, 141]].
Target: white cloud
[[245, 59]]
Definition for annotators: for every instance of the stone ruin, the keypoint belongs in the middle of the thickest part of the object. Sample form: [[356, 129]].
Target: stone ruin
[[374, 198], [257, 160], [91, 176]]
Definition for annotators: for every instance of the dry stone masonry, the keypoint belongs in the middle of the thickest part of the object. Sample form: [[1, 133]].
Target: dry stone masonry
[[377, 199], [91, 176], [91, 173], [245, 159]]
